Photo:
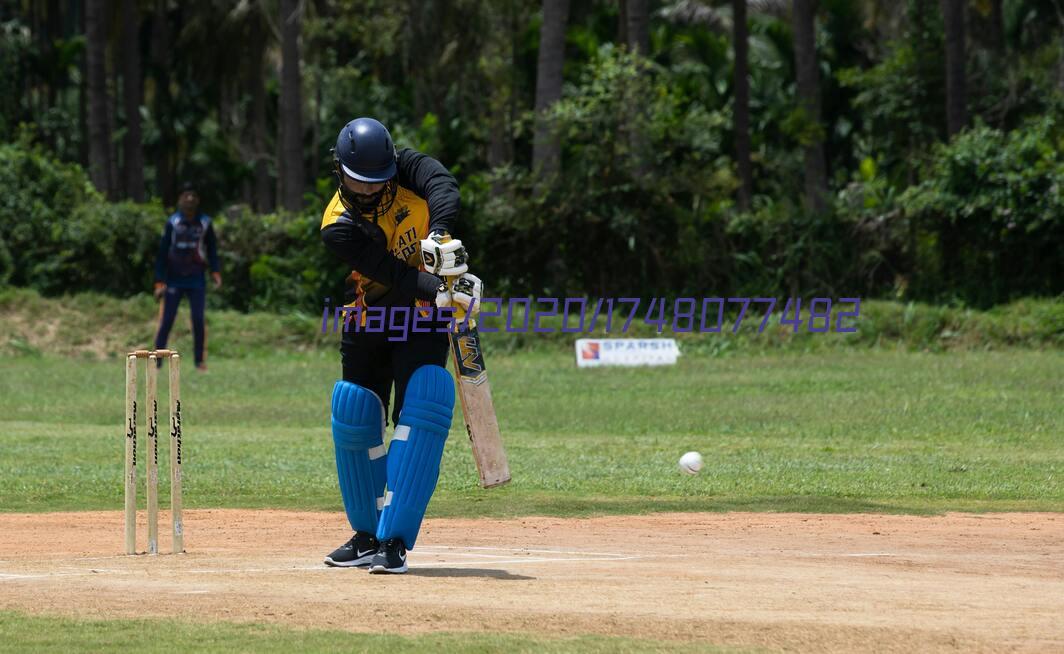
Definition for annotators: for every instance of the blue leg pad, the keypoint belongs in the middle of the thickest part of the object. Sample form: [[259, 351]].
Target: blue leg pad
[[361, 462], [415, 453]]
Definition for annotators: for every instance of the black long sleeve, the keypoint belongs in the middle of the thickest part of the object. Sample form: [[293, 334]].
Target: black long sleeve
[[432, 181], [361, 246]]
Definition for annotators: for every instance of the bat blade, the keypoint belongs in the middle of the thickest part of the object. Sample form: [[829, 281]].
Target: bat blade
[[478, 410]]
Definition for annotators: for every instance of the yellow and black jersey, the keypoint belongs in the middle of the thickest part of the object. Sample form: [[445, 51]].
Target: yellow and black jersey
[[384, 250]]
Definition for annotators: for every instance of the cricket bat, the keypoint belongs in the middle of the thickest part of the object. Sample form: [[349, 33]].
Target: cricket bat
[[477, 407]]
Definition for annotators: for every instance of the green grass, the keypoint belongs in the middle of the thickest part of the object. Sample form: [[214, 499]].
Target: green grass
[[22, 633], [847, 431], [88, 325]]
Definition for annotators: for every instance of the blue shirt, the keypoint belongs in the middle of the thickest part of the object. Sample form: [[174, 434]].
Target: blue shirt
[[187, 247]]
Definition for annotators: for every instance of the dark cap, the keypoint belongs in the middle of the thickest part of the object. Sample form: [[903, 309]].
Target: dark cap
[[187, 187]]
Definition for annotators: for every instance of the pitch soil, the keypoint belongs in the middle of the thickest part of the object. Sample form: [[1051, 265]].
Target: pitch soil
[[795, 582]]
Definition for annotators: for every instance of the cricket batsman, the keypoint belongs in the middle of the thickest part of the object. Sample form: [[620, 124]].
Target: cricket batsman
[[390, 222]]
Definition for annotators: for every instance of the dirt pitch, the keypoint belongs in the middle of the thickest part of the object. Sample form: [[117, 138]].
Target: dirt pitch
[[845, 583]]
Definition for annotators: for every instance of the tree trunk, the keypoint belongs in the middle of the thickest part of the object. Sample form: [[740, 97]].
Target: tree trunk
[[114, 93], [637, 30], [637, 27], [622, 21], [32, 80], [96, 69], [546, 148], [997, 24], [500, 76], [315, 129], [51, 32], [83, 97], [263, 196], [741, 110], [956, 78], [165, 183], [290, 160], [808, 74], [131, 87]]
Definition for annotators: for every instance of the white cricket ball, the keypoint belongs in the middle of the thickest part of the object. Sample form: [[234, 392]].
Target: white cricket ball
[[691, 463]]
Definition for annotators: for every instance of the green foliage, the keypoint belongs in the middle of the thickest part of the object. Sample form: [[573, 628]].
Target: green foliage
[[14, 47], [644, 200], [900, 108], [40, 195], [629, 214], [58, 236], [994, 203], [275, 262], [780, 250]]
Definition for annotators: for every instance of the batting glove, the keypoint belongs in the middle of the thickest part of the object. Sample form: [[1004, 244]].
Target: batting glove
[[443, 256], [466, 291]]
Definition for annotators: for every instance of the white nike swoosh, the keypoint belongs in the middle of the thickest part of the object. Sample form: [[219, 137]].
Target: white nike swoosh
[[359, 554], [402, 557]]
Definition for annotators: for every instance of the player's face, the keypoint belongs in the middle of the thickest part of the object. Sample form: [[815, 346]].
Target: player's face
[[363, 188], [188, 201]]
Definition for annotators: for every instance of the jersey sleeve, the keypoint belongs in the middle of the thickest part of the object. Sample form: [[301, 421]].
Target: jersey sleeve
[[354, 244], [161, 256], [433, 182], [212, 248]]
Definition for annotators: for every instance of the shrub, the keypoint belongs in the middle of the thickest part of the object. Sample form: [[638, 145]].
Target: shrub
[[992, 203], [40, 196]]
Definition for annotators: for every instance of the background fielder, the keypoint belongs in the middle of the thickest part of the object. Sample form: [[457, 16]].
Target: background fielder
[[187, 249]]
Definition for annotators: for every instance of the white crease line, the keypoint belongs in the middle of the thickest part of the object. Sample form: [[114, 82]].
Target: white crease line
[[316, 568], [494, 560], [16, 577], [518, 549], [424, 548], [156, 573], [510, 555], [536, 560]]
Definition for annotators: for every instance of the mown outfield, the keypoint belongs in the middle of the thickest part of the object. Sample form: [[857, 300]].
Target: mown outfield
[[846, 431], [881, 429]]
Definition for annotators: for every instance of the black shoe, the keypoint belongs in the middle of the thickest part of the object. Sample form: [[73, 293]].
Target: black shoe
[[391, 557], [357, 552]]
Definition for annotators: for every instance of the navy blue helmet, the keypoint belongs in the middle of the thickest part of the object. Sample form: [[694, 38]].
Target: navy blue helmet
[[365, 151]]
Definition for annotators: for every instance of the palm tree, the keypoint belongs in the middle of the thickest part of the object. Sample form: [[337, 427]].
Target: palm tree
[[262, 197], [131, 92], [803, 16], [290, 156], [741, 104], [546, 148], [162, 54], [722, 20], [98, 97], [956, 78], [637, 27]]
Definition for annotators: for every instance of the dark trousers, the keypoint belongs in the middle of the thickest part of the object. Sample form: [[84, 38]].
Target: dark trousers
[[197, 303], [370, 360]]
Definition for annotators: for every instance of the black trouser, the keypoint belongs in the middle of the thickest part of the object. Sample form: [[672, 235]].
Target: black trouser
[[370, 360]]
